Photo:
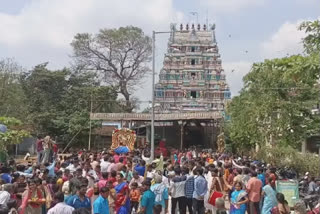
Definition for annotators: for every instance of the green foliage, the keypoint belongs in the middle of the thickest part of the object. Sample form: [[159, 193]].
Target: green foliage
[[275, 106], [12, 97], [14, 134], [289, 157], [312, 41], [276, 102], [59, 102]]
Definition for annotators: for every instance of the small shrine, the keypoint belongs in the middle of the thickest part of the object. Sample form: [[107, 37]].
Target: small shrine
[[123, 140]]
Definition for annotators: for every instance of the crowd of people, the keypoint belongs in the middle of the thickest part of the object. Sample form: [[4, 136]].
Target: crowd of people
[[104, 182]]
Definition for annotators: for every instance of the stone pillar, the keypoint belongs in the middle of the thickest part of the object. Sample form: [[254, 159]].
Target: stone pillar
[[181, 135], [148, 135]]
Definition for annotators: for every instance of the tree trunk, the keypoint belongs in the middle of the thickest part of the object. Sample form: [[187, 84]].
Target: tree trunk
[[125, 93]]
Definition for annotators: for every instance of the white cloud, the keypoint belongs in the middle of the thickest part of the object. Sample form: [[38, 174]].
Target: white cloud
[[43, 30], [286, 41], [223, 6], [235, 71]]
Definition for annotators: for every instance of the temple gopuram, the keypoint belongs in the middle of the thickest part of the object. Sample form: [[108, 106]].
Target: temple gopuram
[[190, 97], [192, 78]]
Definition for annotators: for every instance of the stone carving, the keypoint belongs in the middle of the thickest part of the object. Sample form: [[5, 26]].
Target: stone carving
[[221, 143], [204, 27], [185, 94], [213, 26], [173, 27], [175, 50], [201, 94]]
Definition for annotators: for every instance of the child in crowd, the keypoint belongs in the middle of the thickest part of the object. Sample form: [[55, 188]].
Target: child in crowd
[[134, 196], [157, 209], [113, 178]]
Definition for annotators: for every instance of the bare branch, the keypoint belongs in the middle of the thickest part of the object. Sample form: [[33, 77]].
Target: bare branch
[[120, 54]]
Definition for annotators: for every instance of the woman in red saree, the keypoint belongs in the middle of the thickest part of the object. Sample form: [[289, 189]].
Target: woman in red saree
[[32, 199], [122, 203]]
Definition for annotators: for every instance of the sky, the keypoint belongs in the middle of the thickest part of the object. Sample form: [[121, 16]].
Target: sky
[[248, 31]]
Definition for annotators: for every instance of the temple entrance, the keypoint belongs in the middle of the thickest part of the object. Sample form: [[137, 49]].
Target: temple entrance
[[179, 131], [193, 136]]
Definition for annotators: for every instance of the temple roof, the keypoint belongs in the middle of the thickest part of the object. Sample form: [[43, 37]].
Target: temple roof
[[193, 34], [158, 117]]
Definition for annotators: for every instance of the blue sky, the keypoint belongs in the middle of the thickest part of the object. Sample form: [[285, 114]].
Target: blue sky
[[36, 31]]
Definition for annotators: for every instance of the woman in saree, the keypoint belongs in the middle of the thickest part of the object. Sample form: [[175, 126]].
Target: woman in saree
[[282, 207], [122, 203], [270, 199], [32, 199], [46, 194], [216, 189], [239, 199]]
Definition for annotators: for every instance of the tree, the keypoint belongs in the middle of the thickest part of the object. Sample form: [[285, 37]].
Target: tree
[[276, 103], [288, 157], [312, 41], [14, 133], [119, 57], [12, 97], [59, 101], [242, 129]]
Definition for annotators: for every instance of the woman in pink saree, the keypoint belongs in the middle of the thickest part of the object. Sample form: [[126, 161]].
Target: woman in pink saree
[[32, 199]]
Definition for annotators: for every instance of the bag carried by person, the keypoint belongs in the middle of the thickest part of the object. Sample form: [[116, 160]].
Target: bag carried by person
[[215, 194]]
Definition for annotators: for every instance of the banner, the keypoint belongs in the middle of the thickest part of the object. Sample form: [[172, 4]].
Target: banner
[[290, 189]]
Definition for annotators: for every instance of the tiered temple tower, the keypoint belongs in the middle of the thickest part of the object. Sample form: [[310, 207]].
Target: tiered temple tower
[[192, 78]]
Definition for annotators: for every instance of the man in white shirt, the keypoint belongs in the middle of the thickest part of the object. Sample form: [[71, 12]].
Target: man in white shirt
[[177, 190], [136, 178], [73, 166], [6, 193], [60, 207], [105, 164], [90, 174], [150, 172], [146, 159]]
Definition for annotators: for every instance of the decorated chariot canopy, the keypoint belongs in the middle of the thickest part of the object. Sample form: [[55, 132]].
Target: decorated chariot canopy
[[123, 140]]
